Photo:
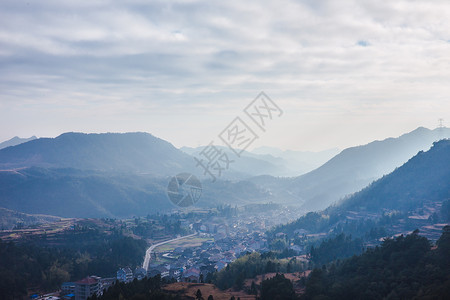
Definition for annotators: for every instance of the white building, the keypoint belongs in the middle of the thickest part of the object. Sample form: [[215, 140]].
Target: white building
[[87, 287], [125, 275]]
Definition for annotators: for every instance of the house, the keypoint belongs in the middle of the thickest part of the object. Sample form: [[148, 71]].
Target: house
[[125, 275], [153, 272], [220, 265], [105, 283], [87, 287], [280, 235], [296, 248], [140, 273], [192, 274], [68, 288], [300, 232], [165, 274]]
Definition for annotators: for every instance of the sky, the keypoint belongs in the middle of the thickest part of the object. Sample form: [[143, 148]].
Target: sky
[[344, 73]]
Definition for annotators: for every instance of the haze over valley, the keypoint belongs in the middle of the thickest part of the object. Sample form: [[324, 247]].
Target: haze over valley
[[224, 150]]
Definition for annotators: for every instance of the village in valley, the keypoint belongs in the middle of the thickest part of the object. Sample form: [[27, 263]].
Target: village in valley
[[189, 247]]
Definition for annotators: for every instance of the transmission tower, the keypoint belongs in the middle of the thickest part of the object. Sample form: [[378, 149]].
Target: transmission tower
[[441, 129]]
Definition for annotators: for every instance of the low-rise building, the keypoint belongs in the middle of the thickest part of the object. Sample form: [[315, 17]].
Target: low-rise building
[[68, 288], [140, 273], [125, 275], [87, 287]]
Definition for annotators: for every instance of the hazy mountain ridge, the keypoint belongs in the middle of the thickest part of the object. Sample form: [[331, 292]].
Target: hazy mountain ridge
[[16, 141], [77, 193], [425, 177], [408, 198], [96, 194], [299, 161], [136, 152], [120, 175], [356, 167], [271, 161], [247, 165]]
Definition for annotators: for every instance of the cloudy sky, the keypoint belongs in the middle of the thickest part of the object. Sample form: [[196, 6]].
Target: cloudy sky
[[344, 72]]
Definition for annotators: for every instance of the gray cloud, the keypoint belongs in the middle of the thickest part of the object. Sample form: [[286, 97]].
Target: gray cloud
[[139, 65]]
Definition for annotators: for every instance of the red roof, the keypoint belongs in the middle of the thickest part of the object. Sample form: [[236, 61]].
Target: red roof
[[87, 280]]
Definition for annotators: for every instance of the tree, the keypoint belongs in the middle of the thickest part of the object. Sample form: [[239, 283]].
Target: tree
[[253, 289], [277, 287], [198, 295]]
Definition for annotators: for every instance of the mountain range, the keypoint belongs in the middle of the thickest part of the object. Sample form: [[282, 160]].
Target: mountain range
[[270, 160], [130, 152], [415, 195], [121, 175], [352, 169], [16, 141]]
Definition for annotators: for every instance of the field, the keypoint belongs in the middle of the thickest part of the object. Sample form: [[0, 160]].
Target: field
[[189, 290], [47, 229], [184, 243]]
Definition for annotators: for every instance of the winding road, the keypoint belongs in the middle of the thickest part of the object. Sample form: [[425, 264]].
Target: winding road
[[150, 249]]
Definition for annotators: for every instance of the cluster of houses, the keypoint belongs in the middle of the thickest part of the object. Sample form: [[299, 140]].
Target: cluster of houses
[[186, 264], [85, 288], [194, 264]]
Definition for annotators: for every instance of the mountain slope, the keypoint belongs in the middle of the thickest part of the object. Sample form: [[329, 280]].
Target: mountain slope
[[15, 141], [247, 165], [356, 167], [137, 152], [97, 194], [76, 193], [425, 177], [415, 195], [9, 219]]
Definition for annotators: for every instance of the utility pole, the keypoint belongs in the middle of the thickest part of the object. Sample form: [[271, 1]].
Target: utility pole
[[441, 128]]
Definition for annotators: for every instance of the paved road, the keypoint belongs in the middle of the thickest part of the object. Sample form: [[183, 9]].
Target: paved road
[[150, 249]]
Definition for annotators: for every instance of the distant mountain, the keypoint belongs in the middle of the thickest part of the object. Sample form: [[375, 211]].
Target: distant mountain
[[354, 168], [415, 195], [135, 152], [248, 164], [85, 194], [97, 194], [424, 178], [16, 141], [270, 161], [106, 175], [297, 162]]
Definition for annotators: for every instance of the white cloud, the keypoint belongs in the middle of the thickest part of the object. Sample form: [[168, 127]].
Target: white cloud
[[193, 58]]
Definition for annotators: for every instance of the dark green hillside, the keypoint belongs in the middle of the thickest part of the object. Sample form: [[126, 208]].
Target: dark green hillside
[[401, 268], [426, 176], [355, 167], [419, 187]]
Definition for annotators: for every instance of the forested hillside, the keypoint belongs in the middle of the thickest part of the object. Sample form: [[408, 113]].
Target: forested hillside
[[407, 267], [27, 265]]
